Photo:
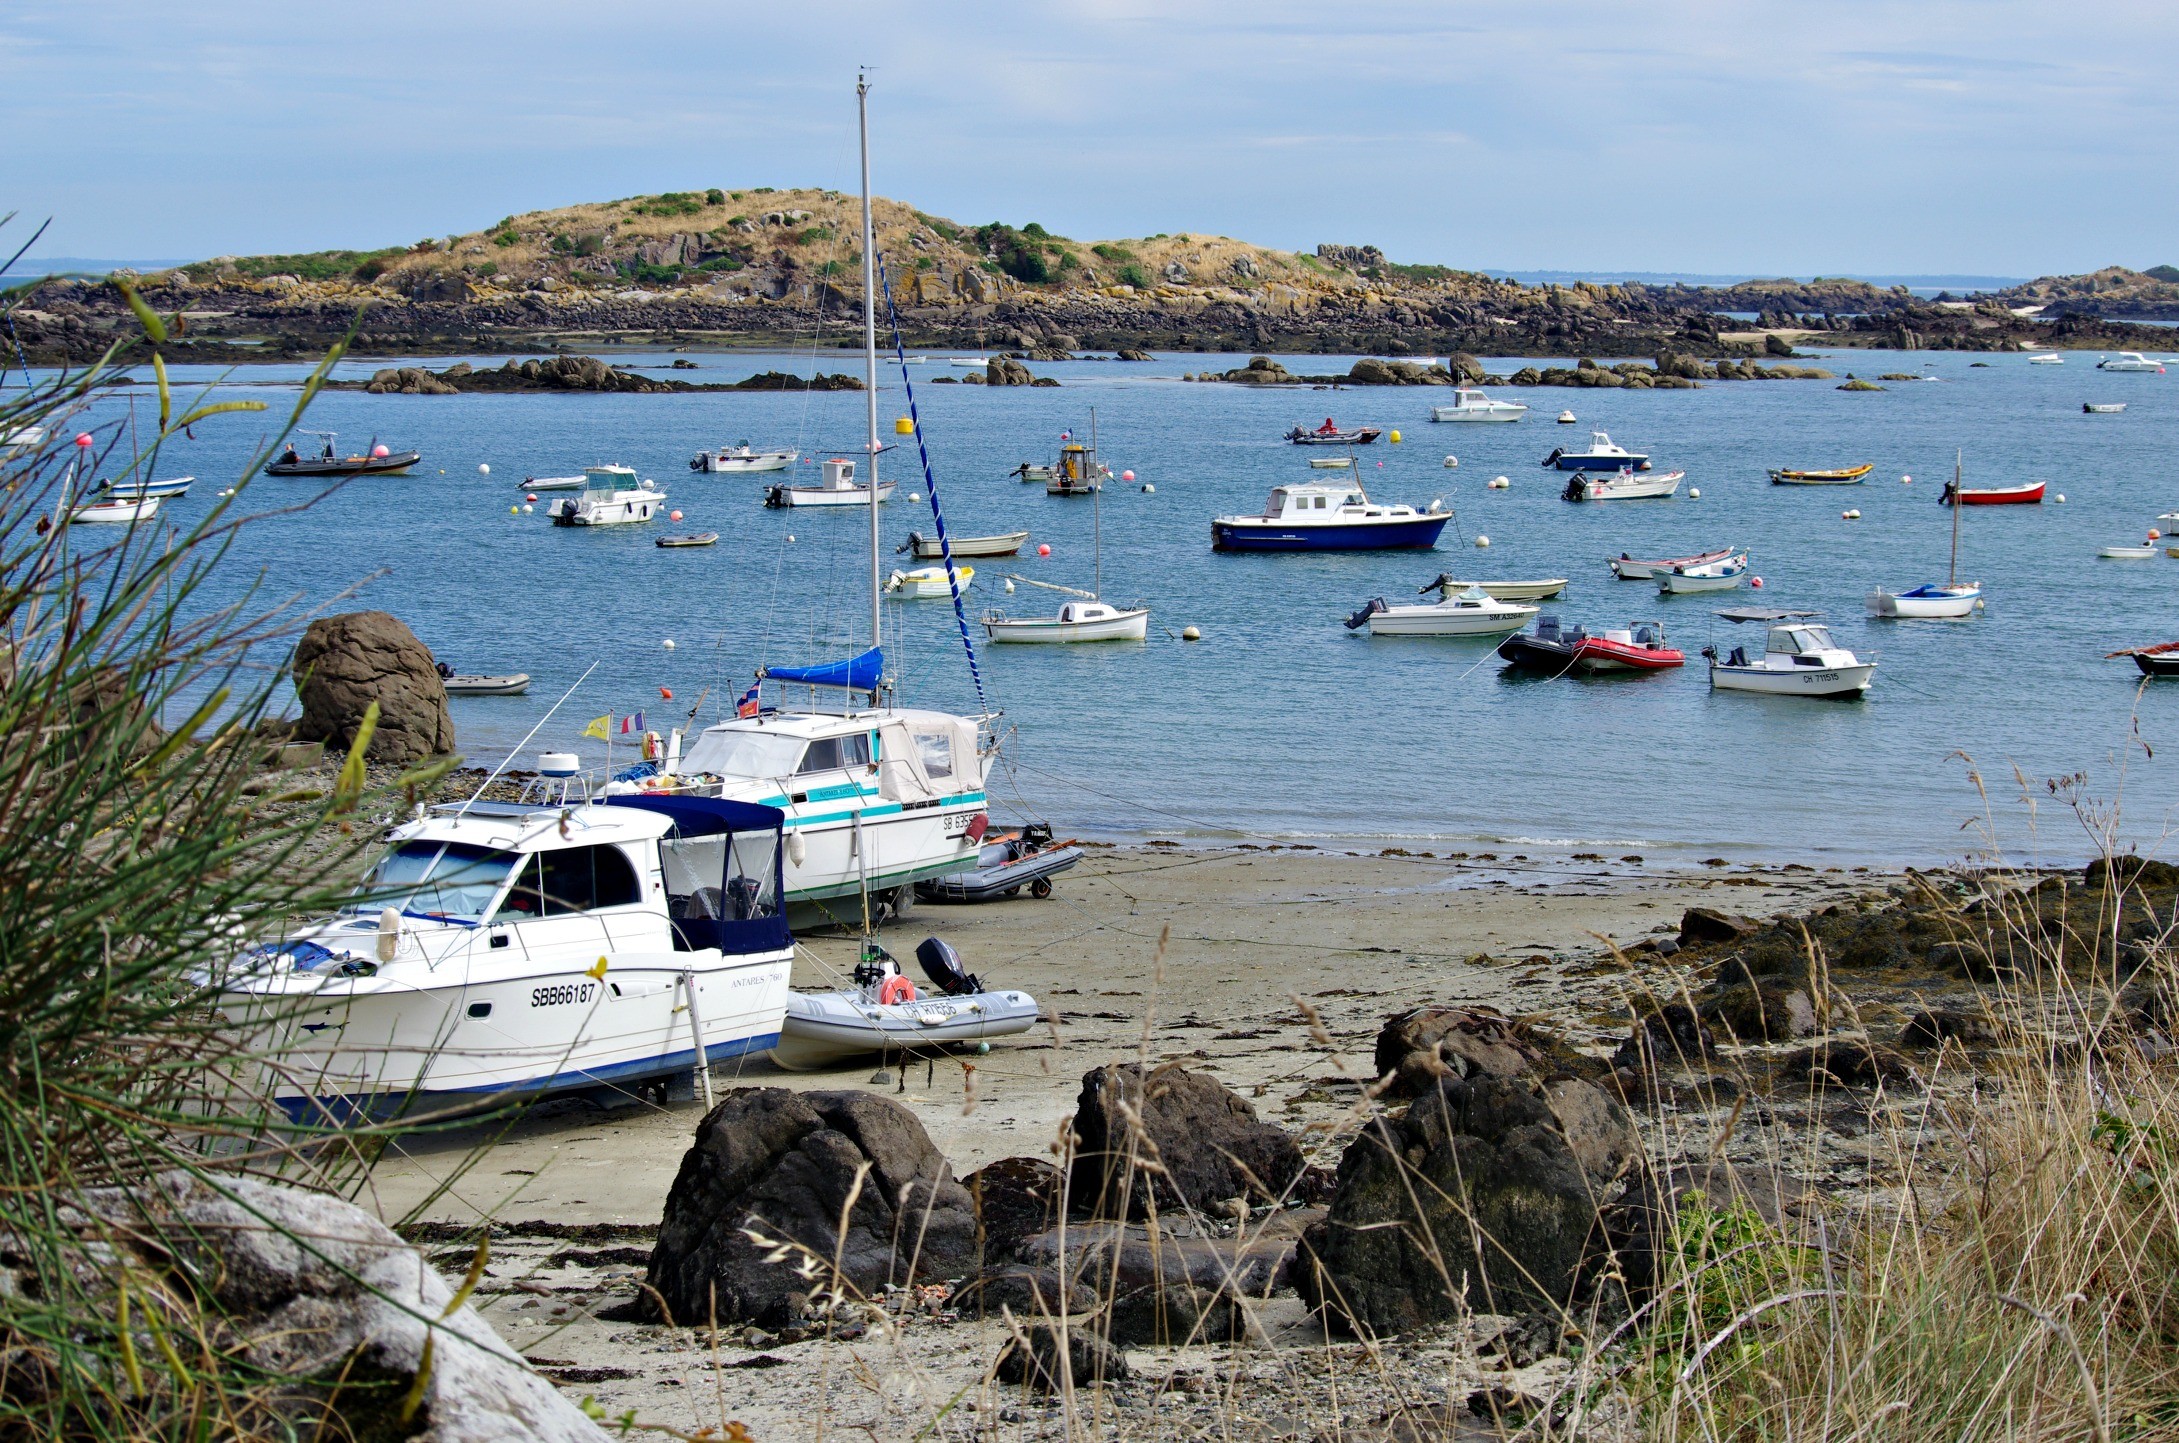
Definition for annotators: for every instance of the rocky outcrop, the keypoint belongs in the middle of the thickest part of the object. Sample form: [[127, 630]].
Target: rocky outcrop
[[1006, 371], [345, 663], [1014, 1199], [1205, 1142], [1418, 1048], [772, 1169], [781, 381], [1483, 1195], [313, 1292]]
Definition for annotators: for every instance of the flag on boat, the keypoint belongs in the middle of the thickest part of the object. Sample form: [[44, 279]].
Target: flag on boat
[[749, 705], [629, 725], [600, 727]]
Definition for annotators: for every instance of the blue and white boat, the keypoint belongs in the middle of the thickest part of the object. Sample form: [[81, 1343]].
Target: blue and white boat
[[1317, 517], [1602, 455], [505, 950]]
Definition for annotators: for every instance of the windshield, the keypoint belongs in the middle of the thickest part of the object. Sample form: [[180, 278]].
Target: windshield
[[726, 753], [436, 879]]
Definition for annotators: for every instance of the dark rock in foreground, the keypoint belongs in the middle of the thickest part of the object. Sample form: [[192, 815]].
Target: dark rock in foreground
[[1040, 1360], [782, 1165], [344, 663], [1205, 1141]]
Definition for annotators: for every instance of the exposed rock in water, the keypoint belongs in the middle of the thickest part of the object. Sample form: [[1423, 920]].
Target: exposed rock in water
[[1129, 353], [780, 381], [344, 663], [781, 1165], [1207, 1142], [1483, 1195], [575, 373], [1004, 371], [314, 1292]]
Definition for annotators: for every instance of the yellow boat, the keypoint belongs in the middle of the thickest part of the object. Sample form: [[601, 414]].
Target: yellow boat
[[1851, 476]]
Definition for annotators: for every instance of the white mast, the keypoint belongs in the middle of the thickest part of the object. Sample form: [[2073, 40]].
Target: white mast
[[870, 360]]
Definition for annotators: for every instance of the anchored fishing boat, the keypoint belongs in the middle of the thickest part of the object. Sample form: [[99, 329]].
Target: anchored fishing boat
[[1701, 576], [1329, 434], [883, 1011], [2159, 660], [1319, 516], [1626, 568], [928, 583], [1466, 613], [2130, 361], [2029, 494], [1799, 659], [1638, 646], [1949, 598], [689, 541], [611, 496], [378, 461], [1088, 618], [2106, 408], [498, 950], [2047, 358], [1847, 476], [2127, 553], [1601, 455], [1473, 405], [146, 490], [122, 510], [836, 486], [1500, 590], [551, 483], [930, 548], [1623, 485], [728, 460]]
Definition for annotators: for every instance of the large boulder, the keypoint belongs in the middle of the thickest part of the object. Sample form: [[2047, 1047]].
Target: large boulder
[[1006, 371], [318, 1294], [781, 1165], [344, 663], [1014, 1198], [1482, 1196], [1173, 1139], [1418, 1047]]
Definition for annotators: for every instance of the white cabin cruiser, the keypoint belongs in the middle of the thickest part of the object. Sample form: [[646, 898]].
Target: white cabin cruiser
[[2130, 361], [884, 1012], [1799, 659], [1627, 484], [836, 486], [611, 496], [500, 950], [1474, 612], [1075, 621], [1473, 405], [728, 460]]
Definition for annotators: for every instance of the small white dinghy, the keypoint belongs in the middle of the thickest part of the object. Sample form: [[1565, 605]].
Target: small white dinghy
[[1720, 575], [2127, 553], [883, 1012], [928, 583]]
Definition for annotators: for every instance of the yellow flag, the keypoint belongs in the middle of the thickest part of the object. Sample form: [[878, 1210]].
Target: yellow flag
[[601, 728]]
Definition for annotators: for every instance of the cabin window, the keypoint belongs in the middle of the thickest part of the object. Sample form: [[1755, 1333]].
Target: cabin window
[[831, 754], [733, 752], [752, 877], [1320, 503], [436, 879], [573, 880], [935, 751]]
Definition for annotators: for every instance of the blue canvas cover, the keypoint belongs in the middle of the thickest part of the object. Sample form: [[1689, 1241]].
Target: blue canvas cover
[[859, 673]]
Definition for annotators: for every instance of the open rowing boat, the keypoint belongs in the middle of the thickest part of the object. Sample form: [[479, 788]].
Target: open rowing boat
[[2159, 660], [2027, 495], [1849, 476]]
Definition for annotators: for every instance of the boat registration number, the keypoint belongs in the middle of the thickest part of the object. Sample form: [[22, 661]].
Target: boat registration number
[[563, 995], [957, 824]]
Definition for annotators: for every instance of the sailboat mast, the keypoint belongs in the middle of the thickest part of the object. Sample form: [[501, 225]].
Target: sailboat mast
[[1952, 576], [1097, 512], [870, 358]]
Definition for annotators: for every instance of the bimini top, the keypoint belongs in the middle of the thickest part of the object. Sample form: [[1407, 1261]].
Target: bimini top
[[705, 816], [1765, 613], [857, 673], [724, 878]]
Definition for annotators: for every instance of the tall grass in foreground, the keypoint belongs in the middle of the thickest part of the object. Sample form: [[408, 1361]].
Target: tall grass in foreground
[[136, 847]]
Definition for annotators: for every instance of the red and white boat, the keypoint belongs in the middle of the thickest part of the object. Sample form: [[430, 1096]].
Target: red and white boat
[[1640, 647], [2027, 495], [1626, 568]]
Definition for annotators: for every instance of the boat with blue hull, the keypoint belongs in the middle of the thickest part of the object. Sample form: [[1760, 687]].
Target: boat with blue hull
[[1602, 455], [1315, 517]]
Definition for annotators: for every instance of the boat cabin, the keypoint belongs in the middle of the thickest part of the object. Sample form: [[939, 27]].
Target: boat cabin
[[1081, 611], [838, 474], [1318, 503], [1795, 644], [800, 757], [609, 479]]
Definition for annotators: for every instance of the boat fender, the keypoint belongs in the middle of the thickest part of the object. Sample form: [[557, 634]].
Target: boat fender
[[797, 848], [896, 989], [389, 934], [977, 826]]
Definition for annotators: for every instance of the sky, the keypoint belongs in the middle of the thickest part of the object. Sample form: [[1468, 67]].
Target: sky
[[1751, 137]]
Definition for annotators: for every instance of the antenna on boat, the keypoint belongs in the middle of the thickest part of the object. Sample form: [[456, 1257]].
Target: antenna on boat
[[518, 746], [870, 367]]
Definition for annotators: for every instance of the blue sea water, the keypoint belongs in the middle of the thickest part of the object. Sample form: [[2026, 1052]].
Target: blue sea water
[[1280, 724]]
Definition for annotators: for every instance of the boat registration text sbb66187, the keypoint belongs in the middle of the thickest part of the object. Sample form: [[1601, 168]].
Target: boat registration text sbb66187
[[562, 995]]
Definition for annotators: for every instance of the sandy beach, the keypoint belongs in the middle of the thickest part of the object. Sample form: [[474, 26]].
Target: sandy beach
[[1249, 937]]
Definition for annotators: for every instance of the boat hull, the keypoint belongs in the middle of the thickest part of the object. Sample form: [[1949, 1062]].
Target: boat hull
[[989, 884], [1626, 568], [716, 463], [1995, 496], [821, 1028], [2157, 665], [1499, 411], [1511, 590], [1908, 608], [1131, 625], [825, 495], [1829, 683], [1672, 583], [347, 466], [926, 548], [1446, 621], [121, 511], [1362, 437], [1595, 654], [1624, 486], [512, 684], [1405, 533], [1533, 654]]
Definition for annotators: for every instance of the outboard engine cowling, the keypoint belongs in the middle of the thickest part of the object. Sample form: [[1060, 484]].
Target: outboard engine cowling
[[1577, 489], [943, 966], [1553, 459], [1361, 618]]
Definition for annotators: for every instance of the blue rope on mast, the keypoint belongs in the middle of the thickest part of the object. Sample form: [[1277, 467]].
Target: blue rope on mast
[[930, 480]]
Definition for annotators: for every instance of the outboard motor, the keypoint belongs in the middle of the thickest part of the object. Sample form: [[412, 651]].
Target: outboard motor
[[1553, 459], [1645, 635], [1361, 618], [915, 538], [1577, 489], [567, 507], [943, 966]]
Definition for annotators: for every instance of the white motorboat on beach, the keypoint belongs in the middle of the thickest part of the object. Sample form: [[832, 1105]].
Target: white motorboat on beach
[[1951, 598], [2130, 361], [1543, 590], [1622, 485], [928, 583], [1626, 568], [729, 460], [836, 486], [1721, 575], [498, 951], [611, 496], [1473, 612], [884, 1012], [1799, 658], [1470, 404]]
